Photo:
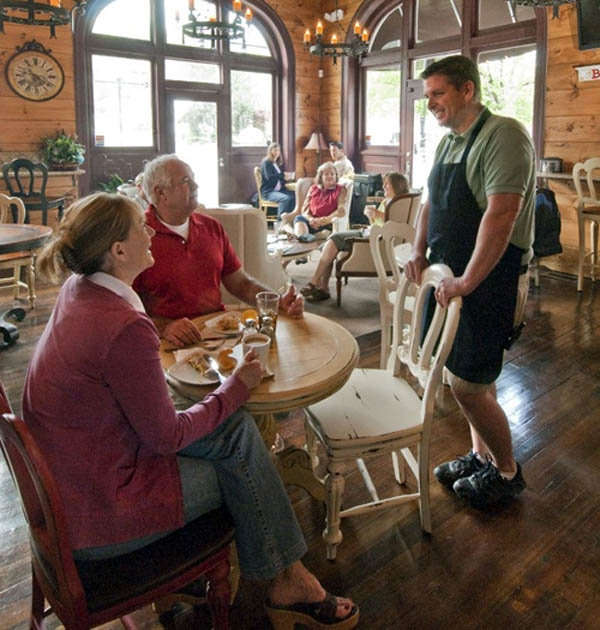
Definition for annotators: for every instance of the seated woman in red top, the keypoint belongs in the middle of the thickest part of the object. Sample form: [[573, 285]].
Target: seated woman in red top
[[324, 201], [129, 467]]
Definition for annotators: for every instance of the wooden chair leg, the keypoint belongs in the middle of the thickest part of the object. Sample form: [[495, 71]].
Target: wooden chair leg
[[334, 487], [218, 595], [30, 271], [338, 289], [594, 245], [423, 484], [37, 604], [581, 254]]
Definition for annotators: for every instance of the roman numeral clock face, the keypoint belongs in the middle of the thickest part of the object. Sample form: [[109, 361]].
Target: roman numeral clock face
[[34, 75]]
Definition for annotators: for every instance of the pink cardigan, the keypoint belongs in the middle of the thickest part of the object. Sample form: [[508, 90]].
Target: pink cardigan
[[97, 404]]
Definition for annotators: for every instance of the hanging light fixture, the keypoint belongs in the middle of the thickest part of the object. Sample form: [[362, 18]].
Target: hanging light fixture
[[542, 3], [213, 30], [358, 47], [50, 14]]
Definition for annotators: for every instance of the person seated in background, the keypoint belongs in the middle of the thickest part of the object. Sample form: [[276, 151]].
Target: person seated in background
[[273, 180], [192, 257], [343, 165], [96, 379], [324, 201], [394, 185]]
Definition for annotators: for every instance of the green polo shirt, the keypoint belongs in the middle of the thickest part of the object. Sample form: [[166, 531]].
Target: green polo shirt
[[501, 160]]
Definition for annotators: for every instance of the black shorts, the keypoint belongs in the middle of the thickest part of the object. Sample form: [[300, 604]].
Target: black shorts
[[486, 323]]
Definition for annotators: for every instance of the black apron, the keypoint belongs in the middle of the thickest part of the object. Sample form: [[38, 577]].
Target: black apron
[[486, 320]]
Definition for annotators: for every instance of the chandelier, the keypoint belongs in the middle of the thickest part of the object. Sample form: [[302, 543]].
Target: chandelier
[[358, 47], [542, 3], [213, 30], [50, 14]]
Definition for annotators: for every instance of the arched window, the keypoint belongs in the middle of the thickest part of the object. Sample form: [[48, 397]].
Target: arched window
[[145, 88], [384, 115]]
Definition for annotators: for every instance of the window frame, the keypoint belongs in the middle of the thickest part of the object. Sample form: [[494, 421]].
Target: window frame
[[470, 42], [129, 160]]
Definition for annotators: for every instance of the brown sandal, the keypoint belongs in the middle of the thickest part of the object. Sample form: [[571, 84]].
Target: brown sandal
[[308, 289], [317, 295], [315, 616]]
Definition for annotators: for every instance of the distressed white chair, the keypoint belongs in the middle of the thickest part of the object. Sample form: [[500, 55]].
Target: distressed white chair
[[588, 209], [16, 261], [379, 412], [382, 244]]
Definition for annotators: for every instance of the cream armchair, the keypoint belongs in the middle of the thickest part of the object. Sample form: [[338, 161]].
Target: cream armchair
[[340, 223], [358, 262], [246, 228]]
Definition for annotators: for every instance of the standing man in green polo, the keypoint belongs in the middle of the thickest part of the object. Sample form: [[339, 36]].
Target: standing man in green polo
[[479, 221]]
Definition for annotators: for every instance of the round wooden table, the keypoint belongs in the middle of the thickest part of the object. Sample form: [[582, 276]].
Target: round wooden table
[[20, 237], [311, 359]]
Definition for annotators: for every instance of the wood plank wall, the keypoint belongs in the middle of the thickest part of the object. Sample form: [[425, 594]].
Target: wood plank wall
[[572, 121], [572, 125], [24, 123]]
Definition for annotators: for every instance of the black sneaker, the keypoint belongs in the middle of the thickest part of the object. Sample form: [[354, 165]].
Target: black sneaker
[[488, 486], [464, 466]]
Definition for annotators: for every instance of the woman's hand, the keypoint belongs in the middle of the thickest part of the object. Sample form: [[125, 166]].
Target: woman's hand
[[248, 370]]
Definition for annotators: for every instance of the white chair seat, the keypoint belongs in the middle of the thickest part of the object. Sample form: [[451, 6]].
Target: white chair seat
[[372, 404]]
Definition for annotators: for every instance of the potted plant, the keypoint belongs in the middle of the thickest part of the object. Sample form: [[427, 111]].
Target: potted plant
[[111, 185], [62, 152]]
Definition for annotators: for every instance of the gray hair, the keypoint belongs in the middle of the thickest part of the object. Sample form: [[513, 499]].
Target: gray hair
[[156, 174]]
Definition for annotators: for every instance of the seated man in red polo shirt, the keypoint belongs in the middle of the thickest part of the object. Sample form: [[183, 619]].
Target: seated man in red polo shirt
[[192, 257]]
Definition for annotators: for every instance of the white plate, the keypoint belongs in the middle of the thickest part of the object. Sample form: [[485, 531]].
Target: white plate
[[185, 373], [213, 322]]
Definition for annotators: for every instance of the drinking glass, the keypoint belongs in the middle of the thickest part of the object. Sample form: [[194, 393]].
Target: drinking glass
[[267, 304]]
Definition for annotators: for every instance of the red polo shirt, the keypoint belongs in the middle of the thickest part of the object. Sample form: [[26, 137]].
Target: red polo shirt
[[185, 280]]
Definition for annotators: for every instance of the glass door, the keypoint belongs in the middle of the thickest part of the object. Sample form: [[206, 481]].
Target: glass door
[[196, 141]]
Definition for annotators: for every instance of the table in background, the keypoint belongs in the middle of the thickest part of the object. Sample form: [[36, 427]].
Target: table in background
[[18, 238], [311, 359]]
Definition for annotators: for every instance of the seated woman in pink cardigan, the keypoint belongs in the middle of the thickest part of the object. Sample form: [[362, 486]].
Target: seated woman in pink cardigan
[[129, 467], [324, 201]]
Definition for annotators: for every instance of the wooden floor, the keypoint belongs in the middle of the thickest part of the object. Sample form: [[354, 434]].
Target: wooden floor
[[533, 564]]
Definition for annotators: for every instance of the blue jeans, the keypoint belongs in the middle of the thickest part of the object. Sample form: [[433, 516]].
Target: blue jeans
[[232, 466], [286, 199]]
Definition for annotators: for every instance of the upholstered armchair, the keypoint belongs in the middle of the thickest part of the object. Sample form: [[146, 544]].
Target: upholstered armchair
[[246, 228], [358, 262]]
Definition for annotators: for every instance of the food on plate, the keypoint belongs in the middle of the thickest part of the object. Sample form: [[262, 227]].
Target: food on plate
[[228, 322], [249, 313], [225, 360], [199, 361]]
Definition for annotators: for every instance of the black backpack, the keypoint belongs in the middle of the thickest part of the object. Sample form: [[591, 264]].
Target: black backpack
[[547, 224]]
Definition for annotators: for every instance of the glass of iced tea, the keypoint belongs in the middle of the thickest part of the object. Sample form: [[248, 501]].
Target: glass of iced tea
[[267, 304]]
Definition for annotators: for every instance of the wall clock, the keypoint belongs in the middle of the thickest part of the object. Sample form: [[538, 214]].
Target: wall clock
[[33, 73]]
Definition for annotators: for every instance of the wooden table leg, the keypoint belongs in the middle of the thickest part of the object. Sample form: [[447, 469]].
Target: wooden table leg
[[293, 463]]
